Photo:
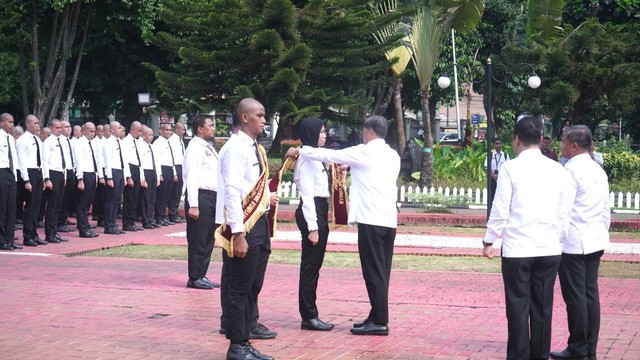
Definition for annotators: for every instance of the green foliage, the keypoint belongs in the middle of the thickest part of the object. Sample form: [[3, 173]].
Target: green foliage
[[452, 164], [621, 165], [438, 203]]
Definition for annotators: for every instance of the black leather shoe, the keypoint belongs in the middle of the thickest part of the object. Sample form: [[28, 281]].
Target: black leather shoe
[[112, 231], [100, 223], [360, 324], [29, 243], [60, 238], [140, 228], [16, 246], [262, 332], [88, 234], [567, 354], [92, 226], [257, 354], [370, 328], [214, 284], [315, 324], [199, 284], [69, 222], [169, 222], [130, 228], [178, 220], [240, 352], [6, 247], [40, 241], [148, 226], [64, 229], [156, 225], [51, 239]]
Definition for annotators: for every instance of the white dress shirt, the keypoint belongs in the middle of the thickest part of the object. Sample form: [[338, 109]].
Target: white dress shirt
[[200, 169], [149, 159], [8, 143], [66, 148], [164, 154], [590, 213], [530, 211], [131, 151], [312, 180], [374, 172], [177, 146], [98, 147], [238, 172], [84, 157], [114, 158], [497, 160], [27, 154], [52, 155]]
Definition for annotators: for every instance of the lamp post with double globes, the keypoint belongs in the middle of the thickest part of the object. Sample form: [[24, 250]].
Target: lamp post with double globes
[[488, 75]]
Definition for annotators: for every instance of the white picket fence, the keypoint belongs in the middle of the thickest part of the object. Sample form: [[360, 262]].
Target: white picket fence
[[477, 197]]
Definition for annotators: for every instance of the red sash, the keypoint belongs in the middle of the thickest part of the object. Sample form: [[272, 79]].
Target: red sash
[[339, 195]]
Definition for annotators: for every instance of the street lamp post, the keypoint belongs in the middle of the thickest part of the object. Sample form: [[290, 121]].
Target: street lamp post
[[144, 100], [533, 81]]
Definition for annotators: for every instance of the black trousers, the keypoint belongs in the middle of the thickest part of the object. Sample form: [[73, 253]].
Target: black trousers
[[85, 199], [200, 234], [21, 196], [69, 198], [375, 246], [163, 192], [173, 201], [131, 195], [148, 204], [32, 207], [99, 198], [43, 204], [528, 289], [311, 258], [54, 203], [579, 283], [245, 280], [7, 206], [111, 199]]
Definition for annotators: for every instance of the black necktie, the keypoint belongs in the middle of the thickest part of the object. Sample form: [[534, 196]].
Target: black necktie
[[64, 164], [173, 161], [95, 166], [38, 162], [255, 145], [153, 159], [73, 163], [181, 147], [137, 153], [120, 152], [328, 176], [10, 156]]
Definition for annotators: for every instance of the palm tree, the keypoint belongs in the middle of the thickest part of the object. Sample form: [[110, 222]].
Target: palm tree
[[432, 23]]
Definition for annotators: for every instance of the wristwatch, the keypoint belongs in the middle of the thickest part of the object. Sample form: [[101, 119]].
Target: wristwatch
[[46, 179], [485, 244]]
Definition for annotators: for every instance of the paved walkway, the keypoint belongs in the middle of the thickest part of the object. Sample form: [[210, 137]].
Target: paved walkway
[[56, 306]]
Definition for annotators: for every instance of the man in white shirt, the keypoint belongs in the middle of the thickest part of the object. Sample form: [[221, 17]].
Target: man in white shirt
[[87, 174], [582, 249], [374, 168], [150, 176], [177, 146], [70, 187], [29, 150], [132, 188], [531, 216], [498, 158], [164, 156], [8, 177], [116, 172], [55, 165], [241, 165], [201, 176]]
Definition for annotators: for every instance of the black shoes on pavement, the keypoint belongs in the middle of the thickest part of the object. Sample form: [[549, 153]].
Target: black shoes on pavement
[[315, 324]]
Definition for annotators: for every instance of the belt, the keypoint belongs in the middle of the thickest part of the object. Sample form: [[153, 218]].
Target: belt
[[34, 169]]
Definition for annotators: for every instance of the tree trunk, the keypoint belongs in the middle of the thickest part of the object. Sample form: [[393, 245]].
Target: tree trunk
[[426, 173], [382, 106], [76, 71], [397, 101], [23, 79]]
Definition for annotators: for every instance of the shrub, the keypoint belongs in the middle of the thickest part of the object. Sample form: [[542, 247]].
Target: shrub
[[438, 203]]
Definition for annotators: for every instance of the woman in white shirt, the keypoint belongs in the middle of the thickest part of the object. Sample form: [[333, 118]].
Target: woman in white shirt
[[312, 179]]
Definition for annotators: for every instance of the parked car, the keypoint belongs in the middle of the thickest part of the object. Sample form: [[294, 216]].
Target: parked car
[[449, 138]]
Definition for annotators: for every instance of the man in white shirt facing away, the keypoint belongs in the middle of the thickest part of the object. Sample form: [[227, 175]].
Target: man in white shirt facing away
[[177, 146], [587, 239], [164, 155], [530, 214], [374, 172]]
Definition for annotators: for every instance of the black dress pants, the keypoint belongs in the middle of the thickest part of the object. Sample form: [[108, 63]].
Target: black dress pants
[[246, 277], [311, 258], [528, 289], [69, 198], [99, 197], [578, 275], [375, 246], [85, 199], [112, 194], [173, 201], [131, 195], [149, 197], [54, 203], [32, 207], [164, 190], [21, 196], [200, 234], [7, 206]]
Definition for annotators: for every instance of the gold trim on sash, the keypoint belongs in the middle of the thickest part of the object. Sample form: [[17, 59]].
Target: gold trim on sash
[[339, 195]]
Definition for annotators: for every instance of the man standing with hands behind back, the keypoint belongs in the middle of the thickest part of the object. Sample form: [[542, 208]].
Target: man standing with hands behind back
[[374, 172], [583, 248], [531, 215]]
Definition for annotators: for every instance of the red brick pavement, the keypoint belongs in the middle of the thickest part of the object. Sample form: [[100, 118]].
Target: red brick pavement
[[60, 307]]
